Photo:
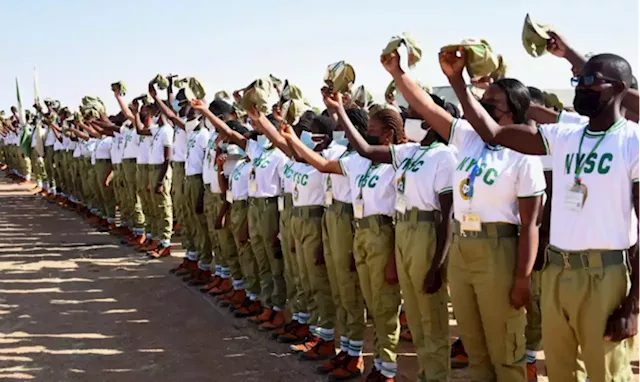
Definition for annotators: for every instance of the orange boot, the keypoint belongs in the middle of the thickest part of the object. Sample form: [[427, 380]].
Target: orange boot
[[297, 334], [149, 246], [224, 287], [532, 372], [266, 315], [305, 346], [353, 367], [159, 252], [332, 364], [277, 321], [185, 267], [251, 308], [214, 283], [322, 350]]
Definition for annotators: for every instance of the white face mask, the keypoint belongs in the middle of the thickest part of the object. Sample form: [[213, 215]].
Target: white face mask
[[338, 135], [189, 126], [307, 138], [263, 141], [156, 120], [414, 131], [235, 150]]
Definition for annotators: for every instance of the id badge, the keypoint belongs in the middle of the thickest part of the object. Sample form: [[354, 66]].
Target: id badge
[[471, 222], [574, 198], [280, 203], [253, 186], [358, 209], [328, 198], [401, 203], [229, 196]]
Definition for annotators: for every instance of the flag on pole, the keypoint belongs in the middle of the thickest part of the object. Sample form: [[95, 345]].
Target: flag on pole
[[20, 108]]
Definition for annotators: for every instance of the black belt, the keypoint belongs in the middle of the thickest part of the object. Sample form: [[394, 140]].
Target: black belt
[[585, 259], [341, 207], [372, 220], [307, 212], [418, 215], [488, 230]]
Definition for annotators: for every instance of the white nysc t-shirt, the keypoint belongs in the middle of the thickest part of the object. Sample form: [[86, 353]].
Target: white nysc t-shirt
[[131, 141], [161, 137], [103, 148], [504, 175], [606, 212], [336, 187], [144, 149], [179, 145], [196, 148], [210, 169], [266, 166], [239, 182], [374, 183], [117, 147], [427, 172]]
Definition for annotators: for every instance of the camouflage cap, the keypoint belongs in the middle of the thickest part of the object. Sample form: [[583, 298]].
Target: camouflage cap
[[362, 97], [534, 37], [119, 87], [257, 94], [194, 89], [414, 52], [161, 81], [293, 109], [339, 77], [480, 59]]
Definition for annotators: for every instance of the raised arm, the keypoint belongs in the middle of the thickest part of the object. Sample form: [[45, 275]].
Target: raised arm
[[123, 106], [438, 118], [137, 123], [263, 125], [376, 153], [523, 138], [220, 125], [79, 134], [309, 156], [166, 110]]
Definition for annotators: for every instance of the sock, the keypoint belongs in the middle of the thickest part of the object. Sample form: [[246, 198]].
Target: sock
[[219, 270], [355, 348], [202, 266], [344, 344], [531, 356], [389, 369], [303, 318], [165, 243], [377, 363], [325, 334]]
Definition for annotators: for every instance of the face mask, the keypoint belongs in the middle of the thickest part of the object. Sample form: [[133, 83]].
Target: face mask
[[341, 142], [372, 140], [587, 102], [338, 135], [175, 106], [223, 146], [156, 120], [307, 138], [414, 131], [189, 126], [491, 110], [263, 141], [235, 150]]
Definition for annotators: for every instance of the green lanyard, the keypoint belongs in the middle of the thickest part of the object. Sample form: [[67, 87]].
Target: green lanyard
[[366, 175], [329, 184], [240, 166], [581, 164], [259, 160]]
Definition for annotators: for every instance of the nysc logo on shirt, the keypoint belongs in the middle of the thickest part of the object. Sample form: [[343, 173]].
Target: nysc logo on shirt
[[367, 181], [408, 165], [190, 144], [296, 177], [488, 175], [261, 162], [601, 163]]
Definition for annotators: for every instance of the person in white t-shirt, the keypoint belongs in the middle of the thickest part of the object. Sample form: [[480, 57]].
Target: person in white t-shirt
[[134, 213], [595, 171], [50, 184], [264, 189], [497, 198], [37, 155], [373, 194], [424, 212]]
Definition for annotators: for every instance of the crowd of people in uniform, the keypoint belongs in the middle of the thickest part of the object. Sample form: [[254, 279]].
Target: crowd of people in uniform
[[374, 209]]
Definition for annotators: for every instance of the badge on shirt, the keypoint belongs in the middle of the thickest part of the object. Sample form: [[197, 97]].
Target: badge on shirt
[[471, 222], [229, 196], [358, 209], [575, 197], [280, 203], [328, 198], [401, 203]]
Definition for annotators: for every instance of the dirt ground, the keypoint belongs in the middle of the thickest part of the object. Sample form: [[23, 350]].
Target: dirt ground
[[75, 305]]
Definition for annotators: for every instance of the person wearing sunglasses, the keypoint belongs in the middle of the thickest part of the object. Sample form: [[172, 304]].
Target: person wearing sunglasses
[[590, 294]]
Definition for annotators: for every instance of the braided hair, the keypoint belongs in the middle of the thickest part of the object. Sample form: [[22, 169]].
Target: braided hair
[[391, 119]]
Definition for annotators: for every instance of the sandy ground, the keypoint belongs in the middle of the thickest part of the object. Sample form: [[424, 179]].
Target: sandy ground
[[75, 305]]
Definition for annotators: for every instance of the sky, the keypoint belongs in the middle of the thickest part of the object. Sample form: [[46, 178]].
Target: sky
[[80, 47]]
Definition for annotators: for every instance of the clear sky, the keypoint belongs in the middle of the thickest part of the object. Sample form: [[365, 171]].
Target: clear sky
[[81, 46]]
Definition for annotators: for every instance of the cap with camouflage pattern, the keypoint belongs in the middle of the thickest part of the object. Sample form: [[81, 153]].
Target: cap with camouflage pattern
[[161, 81], [480, 60], [339, 77], [257, 94], [534, 37], [119, 87], [414, 52]]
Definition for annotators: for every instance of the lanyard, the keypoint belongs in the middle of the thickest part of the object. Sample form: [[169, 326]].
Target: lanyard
[[474, 171], [155, 136], [581, 163], [259, 160]]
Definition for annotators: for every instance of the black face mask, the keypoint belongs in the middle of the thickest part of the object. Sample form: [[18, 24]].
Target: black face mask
[[372, 140], [491, 110], [587, 102]]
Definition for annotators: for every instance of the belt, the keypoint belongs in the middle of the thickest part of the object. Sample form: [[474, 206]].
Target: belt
[[288, 200], [129, 160], [103, 160], [585, 259], [488, 230], [373, 220], [178, 163], [239, 203], [155, 165], [263, 201], [417, 215], [341, 207], [308, 212], [194, 176]]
